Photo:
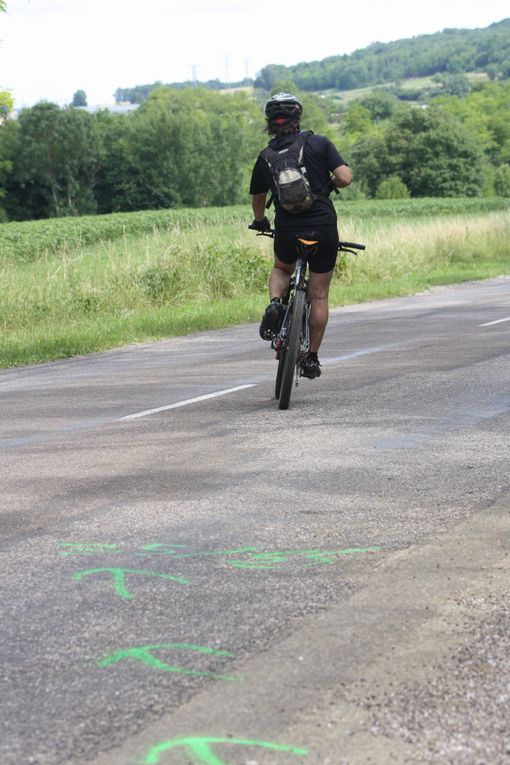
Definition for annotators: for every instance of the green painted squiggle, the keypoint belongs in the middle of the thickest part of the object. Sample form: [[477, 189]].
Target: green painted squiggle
[[199, 747], [162, 549], [267, 560], [144, 655], [119, 575]]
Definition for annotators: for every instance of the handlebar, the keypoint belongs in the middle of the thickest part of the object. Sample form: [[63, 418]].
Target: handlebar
[[342, 246]]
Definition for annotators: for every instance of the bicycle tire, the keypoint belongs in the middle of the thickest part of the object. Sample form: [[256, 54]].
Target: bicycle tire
[[279, 373], [291, 353], [281, 360]]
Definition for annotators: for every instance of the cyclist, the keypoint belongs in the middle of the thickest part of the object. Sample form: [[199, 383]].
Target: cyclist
[[325, 170]]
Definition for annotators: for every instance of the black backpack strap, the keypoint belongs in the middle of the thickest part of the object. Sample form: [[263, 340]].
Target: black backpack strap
[[267, 155], [299, 144]]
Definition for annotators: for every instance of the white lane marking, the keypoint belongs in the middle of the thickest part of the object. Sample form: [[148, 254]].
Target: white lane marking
[[490, 323], [186, 402], [362, 352]]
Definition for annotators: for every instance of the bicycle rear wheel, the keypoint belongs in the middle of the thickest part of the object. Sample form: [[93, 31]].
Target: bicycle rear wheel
[[279, 373], [288, 369]]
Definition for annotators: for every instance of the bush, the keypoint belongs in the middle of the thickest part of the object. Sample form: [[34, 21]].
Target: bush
[[392, 188], [161, 281]]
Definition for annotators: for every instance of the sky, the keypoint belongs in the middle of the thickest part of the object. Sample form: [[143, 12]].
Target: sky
[[49, 49]]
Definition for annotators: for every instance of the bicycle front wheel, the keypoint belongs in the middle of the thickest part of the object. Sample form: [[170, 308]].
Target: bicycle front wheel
[[291, 352]]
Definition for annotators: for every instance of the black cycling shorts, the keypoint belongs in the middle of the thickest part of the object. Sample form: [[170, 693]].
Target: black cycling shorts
[[320, 263]]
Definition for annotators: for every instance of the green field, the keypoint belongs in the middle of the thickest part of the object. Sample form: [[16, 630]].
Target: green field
[[76, 285], [345, 97]]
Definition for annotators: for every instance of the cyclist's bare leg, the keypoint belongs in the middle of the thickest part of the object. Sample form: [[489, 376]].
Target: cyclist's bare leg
[[318, 291], [279, 278]]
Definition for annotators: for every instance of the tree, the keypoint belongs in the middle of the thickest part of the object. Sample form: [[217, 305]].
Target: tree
[[438, 155], [358, 120], [79, 98], [7, 144], [380, 105], [431, 151], [55, 162], [372, 163], [453, 84], [269, 75], [189, 147]]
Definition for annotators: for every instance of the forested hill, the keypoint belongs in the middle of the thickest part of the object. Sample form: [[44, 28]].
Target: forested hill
[[450, 51]]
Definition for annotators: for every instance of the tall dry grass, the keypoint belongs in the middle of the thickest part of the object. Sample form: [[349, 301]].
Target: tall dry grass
[[415, 249]]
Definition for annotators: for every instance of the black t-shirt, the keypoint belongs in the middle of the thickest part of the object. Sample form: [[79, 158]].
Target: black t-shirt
[[320, 158]]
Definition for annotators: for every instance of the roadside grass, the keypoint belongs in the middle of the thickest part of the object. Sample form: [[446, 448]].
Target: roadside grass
[[212, 272]]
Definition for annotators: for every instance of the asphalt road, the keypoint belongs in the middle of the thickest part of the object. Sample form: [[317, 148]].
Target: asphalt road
[[190, 575]]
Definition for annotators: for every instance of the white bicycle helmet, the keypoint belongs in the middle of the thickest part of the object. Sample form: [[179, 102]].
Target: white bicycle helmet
[[283, 106]]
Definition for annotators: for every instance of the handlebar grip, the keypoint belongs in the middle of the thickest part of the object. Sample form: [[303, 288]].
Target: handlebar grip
[[352, 245]]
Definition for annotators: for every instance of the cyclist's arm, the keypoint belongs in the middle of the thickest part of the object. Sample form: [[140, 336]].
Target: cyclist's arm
[[342, 176], [258, 203]]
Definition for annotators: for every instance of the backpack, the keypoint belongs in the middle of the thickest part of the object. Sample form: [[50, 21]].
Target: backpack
[[289, 175]]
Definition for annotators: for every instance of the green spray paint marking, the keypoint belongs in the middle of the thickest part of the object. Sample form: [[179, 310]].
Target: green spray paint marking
[[87, 548], [119, 575], [144, 655], [199, 748], [315, 557], [253, 559], [157, 547], [162, 549]]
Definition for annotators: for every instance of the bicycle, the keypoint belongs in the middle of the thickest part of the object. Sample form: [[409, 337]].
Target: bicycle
[[292, 340]]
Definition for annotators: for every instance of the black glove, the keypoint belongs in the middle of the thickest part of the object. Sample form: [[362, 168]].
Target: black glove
[[260, 225]]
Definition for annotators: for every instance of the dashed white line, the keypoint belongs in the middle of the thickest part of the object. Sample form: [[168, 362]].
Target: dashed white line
[[186, 402], [491, 323]]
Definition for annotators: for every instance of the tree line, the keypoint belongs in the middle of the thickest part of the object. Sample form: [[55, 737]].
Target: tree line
[[451, 51], [196, 147], [137, 94], [181, 148]]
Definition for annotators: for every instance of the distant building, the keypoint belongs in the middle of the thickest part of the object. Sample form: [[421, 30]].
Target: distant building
[[122, 108]]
